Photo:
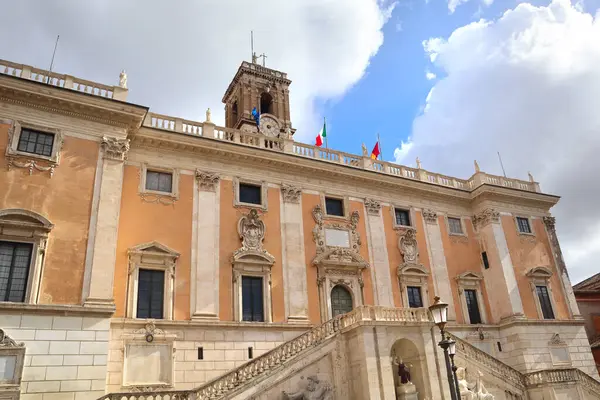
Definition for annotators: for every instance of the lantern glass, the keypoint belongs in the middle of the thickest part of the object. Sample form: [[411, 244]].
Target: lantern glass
[[439, 311]]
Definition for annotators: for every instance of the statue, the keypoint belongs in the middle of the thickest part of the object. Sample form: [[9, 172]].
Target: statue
[[315, 390], [123, 79], [364, 151], [530, 177], [418, 163], [207, 115], [480, 390], [478, 393], [477, 167], [403, 371]]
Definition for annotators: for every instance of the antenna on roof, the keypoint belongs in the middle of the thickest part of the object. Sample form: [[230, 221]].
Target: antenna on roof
[[502, 165], [52, 61], [254, 58]]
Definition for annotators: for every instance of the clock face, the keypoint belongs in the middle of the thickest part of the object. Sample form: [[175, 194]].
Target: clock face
[[269, 126]]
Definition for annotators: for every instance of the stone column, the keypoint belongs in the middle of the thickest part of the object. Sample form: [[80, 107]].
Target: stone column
[[294, 263], [101, 277], [562, 268], [378, 254], [439, 269], [505, 299], [205, 271]]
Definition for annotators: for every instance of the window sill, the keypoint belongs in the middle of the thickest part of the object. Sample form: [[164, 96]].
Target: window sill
[[251, 205], [65, 309], [338, 217], [402, 227], [526, 233], [457, 234]]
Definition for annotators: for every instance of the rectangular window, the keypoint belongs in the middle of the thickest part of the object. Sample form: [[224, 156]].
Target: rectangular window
[[151, 291], [523, 225], [402, 217], [455, 226], [14, 270], [414, 297], [545, 304], [486, 262], [159, 181], [36, 142], [334, 206], [472, 306], [250, 194], [252, 299]]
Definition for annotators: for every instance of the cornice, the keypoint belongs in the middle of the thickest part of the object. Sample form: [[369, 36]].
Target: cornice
[[510, 195], [70, 103], [243, 69]]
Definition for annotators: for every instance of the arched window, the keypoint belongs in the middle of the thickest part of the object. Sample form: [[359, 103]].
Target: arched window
[[266, 103], [234, 113], [341, 301]]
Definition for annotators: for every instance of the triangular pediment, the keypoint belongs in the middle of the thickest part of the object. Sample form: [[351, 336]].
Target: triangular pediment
[[469, 275], [154, 248], [340, 256]]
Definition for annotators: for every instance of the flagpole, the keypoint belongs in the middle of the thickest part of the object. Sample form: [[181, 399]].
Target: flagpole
[[325, 125], [380, 149]]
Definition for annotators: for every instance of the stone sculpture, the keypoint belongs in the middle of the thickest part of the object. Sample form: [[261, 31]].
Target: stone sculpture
[[479, 392], [123, 79], [403, 371], [315, 390], [408, 247]]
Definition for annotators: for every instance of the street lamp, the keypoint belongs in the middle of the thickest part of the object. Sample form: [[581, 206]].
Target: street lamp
[[439, 311], [451, 353]]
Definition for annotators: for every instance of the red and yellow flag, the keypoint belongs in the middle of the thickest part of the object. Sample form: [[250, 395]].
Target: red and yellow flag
[[375, 153]]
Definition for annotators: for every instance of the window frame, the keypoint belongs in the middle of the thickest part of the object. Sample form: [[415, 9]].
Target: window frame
[[411, 216], [542, 276], [413, 275], [12, 267], [263, 193], [258, 270], [345, 206], [11, 388], [477, 302], [159, 173], [462, 225], [14, 137], [348, 290], [529, 221], [151, 256], [420, 291], [137, 310], [37, 135], [470, 280], [241, 185], [24, 226], [247, 276], [173, 195]]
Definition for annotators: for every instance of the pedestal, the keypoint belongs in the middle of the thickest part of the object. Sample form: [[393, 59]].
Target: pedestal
[[407, 391]]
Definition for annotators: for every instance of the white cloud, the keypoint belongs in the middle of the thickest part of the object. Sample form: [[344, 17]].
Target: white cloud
[[180, 58], [429, 75], [526, 85], [401, 152], [453, 4]]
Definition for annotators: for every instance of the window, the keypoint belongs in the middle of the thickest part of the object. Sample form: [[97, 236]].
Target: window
[[234, 113], [36, 142], [486, 262], [523, 225], [15, 259], [266, 103], [472, 306], [334, 206], [151, 289], [455, 226], [341, 301], [414, 297], [250, 194], [252, 299], [159, 181], [545, 304], [402, 217]]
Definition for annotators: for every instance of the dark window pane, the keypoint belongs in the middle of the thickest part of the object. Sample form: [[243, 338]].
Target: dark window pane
[[545, 304], [250, 194], [151, 289], [334, 206], [523, 224], [414, 296], [159, 181], [455, 225], [341, 301], [473, 306], [402, 217], [252, 299], [14, 270], [486, 262], [35, 142]]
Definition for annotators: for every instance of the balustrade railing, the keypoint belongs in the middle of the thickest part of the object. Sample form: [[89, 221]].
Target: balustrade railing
[[562, 375], [146, 395]]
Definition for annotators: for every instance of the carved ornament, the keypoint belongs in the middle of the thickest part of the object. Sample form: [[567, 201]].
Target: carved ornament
[[485, 217], [252, 233], [291, 194], [550, 223], [430, 216], [372, 206], [408, 246], [207, 181], [115, 149], [157, 199], [150, 329], [316, 389], [557, 340], [7, 341], [31, 165]]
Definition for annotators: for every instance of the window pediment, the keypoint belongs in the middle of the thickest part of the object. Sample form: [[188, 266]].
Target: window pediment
[[412, 270], [17, 217], [340, 256], [252, 257], [469, 276], [540, 272], [153, 253]]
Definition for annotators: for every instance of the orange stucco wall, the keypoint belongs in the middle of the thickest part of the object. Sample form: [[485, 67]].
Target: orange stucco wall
[[527, 252], [143, 222], [229, 242], [462, 255], [66, 200]]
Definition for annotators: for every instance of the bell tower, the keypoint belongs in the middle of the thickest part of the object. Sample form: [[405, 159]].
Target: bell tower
[[267, 90]]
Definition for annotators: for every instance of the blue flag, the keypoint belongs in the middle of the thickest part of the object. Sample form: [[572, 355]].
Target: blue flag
[[256, 116]]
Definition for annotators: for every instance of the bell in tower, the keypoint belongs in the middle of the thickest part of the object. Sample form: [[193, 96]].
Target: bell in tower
[[267, 90]]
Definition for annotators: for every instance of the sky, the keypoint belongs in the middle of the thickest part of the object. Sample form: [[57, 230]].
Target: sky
[[448, 81]]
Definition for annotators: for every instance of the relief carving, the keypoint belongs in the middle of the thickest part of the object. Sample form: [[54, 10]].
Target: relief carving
[[115, 149], [325, 253], [207, 181], [408, 246], [291, 194], [30, 165], [372, 206], [487, 216], [252, 232], [7, 341], [557, 340], [430, 216], [316, 389]]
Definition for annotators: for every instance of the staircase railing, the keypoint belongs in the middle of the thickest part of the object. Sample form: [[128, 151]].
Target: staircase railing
[[562, 375]]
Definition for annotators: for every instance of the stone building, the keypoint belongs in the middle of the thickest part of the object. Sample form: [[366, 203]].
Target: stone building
[[587, 293], [146, 253]]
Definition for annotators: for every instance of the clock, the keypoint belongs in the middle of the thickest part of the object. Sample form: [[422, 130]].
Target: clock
[[269, 126]]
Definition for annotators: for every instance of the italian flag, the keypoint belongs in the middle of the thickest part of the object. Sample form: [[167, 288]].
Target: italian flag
[[322, 135]]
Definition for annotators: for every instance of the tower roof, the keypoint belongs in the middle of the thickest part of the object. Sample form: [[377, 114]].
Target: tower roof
[[258, 71]]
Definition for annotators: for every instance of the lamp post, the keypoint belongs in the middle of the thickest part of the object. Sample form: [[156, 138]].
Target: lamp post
[[451, 353], [439, 311]]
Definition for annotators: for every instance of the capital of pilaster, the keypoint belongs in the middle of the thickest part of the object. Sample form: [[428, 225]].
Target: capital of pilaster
[[115, 149], [550, 223], [207, 181], [487, 216], [373, 206], [430, 216], [291, 193]]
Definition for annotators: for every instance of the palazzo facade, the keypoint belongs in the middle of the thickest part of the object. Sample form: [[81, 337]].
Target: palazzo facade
[[142, 253]]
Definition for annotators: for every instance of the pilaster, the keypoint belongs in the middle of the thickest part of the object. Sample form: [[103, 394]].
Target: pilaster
[[114, 153], [439, 269], [205, 269], [294, 264], [378, 254]]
